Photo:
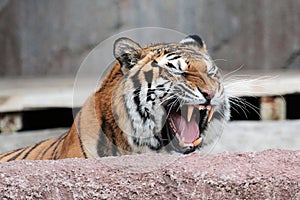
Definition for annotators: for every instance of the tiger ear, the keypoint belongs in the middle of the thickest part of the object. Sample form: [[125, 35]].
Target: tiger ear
[[127, 52], [196, 41]]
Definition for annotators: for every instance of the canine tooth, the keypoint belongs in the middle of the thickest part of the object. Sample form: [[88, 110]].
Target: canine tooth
[[210, 113], [190, 113], [197, 142], [201, 107], [181, 142]]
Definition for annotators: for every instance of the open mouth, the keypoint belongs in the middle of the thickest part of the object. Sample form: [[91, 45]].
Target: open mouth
[[186, 124]]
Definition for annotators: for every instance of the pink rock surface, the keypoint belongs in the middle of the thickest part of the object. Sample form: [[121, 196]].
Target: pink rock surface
[[271, 174]]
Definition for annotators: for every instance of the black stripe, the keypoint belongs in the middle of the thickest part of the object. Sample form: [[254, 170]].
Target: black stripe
[[31, 149], [10, 152], [136, 93], [18, 154], [136, 99], [115, 149], [102, 139], [154, 63], [47, 149], [113, 140], [149, 94], [149, 76], [5, 154], [135, 80], [171, 65], [100, 144], [107, 126], [171, 54], [166, 92], [60, 139], [137, 141], [174, 58], [161, 86]]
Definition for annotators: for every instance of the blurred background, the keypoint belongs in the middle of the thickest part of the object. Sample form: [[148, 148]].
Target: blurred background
[[43, 44]]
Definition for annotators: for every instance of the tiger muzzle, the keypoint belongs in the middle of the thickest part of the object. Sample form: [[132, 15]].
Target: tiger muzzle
[[187, 123]]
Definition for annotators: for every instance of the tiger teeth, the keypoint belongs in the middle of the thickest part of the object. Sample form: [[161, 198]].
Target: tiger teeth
[[181, 142], [201, 107], [197, 142], [209, 108], [210, 112], [190, 113]]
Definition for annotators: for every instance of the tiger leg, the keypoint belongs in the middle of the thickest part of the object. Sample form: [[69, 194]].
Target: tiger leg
[[41, 151], [65, 146]]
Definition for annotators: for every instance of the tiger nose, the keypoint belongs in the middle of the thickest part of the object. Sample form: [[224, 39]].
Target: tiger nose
[[208, 94]]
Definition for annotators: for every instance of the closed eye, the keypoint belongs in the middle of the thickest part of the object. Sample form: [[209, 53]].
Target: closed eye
[[184, 74], [180, 73]]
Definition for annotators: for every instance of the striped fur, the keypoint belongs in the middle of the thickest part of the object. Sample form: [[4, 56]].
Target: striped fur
[[136, 106], [51, 149]]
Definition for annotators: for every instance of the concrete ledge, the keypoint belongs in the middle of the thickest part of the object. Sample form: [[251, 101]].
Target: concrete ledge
[[271, 174], [29, 93]]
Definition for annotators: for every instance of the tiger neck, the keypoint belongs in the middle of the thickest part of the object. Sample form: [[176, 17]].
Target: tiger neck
[[104, 96], [139, 118], [95, 123]]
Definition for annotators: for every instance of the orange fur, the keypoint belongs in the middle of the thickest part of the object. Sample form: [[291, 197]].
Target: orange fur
[[69, 145], [102, 126]]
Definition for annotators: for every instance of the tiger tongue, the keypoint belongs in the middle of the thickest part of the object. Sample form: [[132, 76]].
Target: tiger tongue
[[187, 130]]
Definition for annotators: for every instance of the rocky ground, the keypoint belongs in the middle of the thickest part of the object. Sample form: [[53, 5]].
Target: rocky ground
[[271, 174]]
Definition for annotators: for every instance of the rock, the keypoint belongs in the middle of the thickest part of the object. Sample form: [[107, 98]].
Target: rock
[[271, 174]]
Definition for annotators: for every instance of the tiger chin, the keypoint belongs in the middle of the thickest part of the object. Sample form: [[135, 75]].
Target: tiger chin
[[165, 97]]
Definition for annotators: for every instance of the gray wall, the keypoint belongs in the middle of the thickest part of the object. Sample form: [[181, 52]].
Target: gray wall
[[49, 37]]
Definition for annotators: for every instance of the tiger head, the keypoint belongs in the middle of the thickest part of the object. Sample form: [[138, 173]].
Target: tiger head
[[170, 96]]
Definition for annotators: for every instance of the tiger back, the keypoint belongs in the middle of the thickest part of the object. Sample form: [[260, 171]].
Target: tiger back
[[162, 98]]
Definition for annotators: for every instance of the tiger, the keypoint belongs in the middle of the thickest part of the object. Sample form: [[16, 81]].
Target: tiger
[[163, 98]]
